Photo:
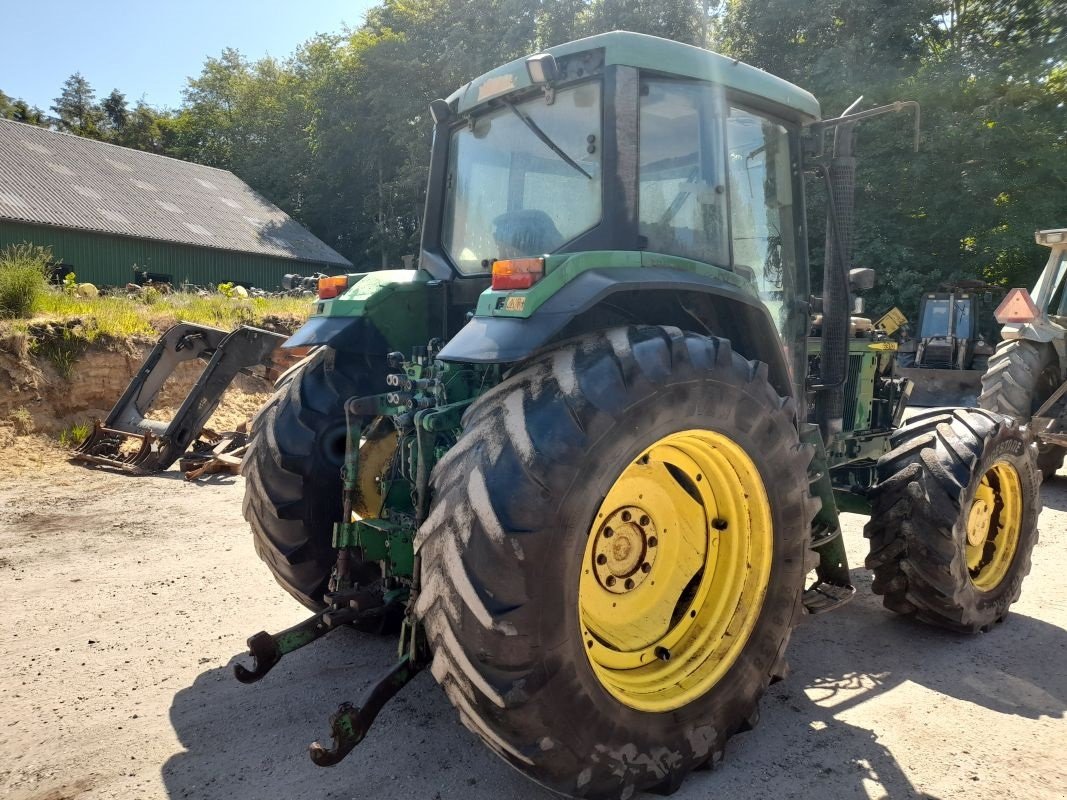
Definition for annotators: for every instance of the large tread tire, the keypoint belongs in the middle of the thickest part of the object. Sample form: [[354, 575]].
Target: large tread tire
[[292, 469], [502, 551], [918, 524], [1020, 377]]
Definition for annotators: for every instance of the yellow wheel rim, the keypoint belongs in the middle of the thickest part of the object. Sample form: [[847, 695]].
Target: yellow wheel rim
[[675, 570], [994, 522]]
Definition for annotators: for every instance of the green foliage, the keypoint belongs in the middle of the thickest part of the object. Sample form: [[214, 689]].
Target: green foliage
[[73, 435], [70, 283], [61, 347], [115, 109], [338, 133], [988, 75], [23, 278], [76, 109], [20, 111]]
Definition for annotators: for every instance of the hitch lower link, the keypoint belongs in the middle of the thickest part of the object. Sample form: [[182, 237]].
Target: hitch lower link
[[350, 723]]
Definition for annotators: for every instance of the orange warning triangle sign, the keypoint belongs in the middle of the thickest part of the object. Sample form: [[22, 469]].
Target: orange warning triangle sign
[[1016, 307]]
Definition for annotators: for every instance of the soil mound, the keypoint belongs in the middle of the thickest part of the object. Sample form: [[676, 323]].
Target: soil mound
[[51, 378]]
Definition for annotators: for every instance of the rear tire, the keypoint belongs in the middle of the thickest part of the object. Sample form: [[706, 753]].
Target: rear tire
[[1020, 377], [292, 469], [503, 553], [929, 556]]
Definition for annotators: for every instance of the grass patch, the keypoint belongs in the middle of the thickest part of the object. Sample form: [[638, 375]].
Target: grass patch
[[63, 323], [73, 435], [61, 347], [23, 278], [150, 314]]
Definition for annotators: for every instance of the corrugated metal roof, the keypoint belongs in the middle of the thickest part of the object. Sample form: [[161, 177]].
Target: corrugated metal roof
[[59, 179]]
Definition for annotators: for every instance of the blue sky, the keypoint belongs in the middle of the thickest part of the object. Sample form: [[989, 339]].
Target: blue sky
[[148, 49]]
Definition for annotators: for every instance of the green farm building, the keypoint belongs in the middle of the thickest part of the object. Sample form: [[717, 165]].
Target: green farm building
[[110, 213]]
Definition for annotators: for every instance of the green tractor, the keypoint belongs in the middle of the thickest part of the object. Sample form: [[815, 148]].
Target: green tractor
[[588, 458]]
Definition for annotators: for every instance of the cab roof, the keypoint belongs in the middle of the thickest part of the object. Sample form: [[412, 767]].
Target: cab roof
[[652, 53]]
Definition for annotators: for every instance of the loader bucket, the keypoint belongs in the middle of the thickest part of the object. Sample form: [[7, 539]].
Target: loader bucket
[[126, 440]]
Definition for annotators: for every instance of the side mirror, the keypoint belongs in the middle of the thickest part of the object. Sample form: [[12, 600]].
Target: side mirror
[[862, 279], [440, 111]]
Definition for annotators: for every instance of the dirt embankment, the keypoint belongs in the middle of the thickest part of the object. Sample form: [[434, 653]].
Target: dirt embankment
[[51, 380]]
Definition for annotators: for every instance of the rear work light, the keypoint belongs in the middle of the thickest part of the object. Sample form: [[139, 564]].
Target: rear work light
[[329, 288], [517, 273], [1017, 306]]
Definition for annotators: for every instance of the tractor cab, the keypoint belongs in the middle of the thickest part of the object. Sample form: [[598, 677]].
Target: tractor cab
[[617, 177], [955, 329]]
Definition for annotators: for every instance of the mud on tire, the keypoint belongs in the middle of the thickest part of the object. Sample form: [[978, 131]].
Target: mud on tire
[[292, 469], [920, 505], [502, 553]]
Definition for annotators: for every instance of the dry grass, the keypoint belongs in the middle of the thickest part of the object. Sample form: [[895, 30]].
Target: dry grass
[[21, 421]]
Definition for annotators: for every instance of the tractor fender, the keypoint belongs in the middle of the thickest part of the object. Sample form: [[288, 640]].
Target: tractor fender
[[357, 334], [600, 298], [1041, 331], [377, 313]]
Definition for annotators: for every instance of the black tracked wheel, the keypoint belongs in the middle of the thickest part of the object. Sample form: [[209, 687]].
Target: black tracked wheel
[[954, 518], [292, 469], [1020, 377], [530, 550]]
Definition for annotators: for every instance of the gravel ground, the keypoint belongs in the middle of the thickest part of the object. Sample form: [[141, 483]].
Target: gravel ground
[[125, 600]]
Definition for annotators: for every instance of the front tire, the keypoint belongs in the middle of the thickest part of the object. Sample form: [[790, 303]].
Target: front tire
[[513, 543], [954, 519]]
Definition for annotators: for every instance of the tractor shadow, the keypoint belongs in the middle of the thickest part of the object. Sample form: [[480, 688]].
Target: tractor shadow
[[807, 743], [249, 742]]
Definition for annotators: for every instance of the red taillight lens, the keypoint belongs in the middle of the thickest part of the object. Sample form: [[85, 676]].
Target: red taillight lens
[[517, 273], [1017, 306], [329, 288]]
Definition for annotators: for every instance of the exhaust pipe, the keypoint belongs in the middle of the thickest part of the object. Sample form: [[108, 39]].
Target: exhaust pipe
[[840, 174]]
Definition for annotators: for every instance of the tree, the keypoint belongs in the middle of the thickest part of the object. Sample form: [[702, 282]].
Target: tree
[[20, 111], [76, 109], [985, 73], [148, 129], [115, 110]]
